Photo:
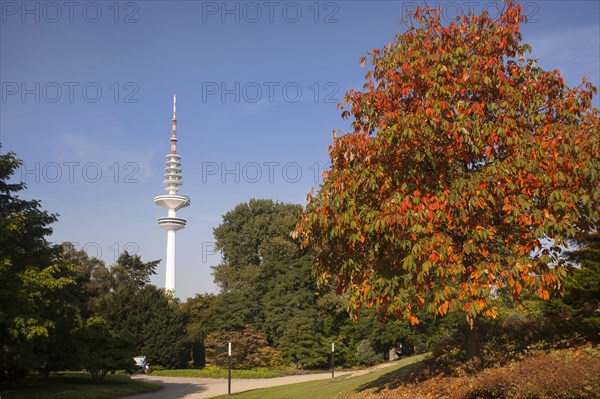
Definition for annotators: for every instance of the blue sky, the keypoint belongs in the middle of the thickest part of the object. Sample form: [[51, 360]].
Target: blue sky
[[87, 94]]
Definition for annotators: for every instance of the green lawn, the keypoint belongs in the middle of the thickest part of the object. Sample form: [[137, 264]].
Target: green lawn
[[336, 387], [219, 373], [74, 386]]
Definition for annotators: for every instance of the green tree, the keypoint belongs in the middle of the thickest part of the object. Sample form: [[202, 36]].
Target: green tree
[[240, 238], [265, 280], [153, 319], [301, 342], [289, 293], [280, 296], [583, 287], [244, 238], [289, 309], [202, 317], [131, 272], [464, 157], [101, 351], [133, 307], [36, 299], [93, 278]]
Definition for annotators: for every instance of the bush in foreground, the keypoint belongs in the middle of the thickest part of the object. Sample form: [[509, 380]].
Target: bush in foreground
[[569, 375], [564, 374], [366, 354]]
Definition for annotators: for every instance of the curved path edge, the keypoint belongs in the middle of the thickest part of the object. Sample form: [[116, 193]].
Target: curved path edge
[[199, 388]]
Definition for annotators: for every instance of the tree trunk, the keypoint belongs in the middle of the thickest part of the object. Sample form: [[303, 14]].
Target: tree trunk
[[473, 340], [199, 354]]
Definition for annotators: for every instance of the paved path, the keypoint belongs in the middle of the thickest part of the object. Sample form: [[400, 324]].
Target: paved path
[[197, 388]]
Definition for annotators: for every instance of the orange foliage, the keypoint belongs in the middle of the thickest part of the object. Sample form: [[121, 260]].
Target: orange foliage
[[463, 157]]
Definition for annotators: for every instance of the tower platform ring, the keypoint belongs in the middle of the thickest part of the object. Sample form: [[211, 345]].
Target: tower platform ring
[[172, 201], [168, 223]]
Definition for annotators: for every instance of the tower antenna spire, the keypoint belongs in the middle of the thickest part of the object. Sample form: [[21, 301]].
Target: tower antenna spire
[[172, 202], [174, 126]]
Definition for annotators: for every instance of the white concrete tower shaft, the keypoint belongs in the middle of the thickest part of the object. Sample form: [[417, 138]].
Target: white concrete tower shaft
[[172, 202]]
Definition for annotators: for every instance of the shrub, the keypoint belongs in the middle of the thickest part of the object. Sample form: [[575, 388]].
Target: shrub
[[565, 374], [568, 375], [268, 357], [248, 348], [366, 354], [512, 336]]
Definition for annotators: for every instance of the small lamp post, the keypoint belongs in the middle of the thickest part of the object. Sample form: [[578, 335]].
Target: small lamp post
[[332, 356], [229, 370]]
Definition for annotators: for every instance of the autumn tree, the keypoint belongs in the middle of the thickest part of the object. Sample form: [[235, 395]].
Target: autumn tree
[[468, 167], [247, 347]]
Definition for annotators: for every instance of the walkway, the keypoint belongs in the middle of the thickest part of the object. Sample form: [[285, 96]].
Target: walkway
[[197, 388]]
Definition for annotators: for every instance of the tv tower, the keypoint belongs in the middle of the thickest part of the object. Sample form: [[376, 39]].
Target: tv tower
[[172, 201]]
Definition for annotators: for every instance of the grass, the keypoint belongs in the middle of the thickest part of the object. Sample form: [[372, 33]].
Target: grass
[[214, 372], [336, 387], [74, 386]]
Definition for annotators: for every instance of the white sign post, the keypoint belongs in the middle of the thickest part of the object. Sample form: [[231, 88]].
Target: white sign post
[[332, 356], [229, 370]]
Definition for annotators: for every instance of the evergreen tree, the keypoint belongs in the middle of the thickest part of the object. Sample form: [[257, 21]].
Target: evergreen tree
[[289, 293], [300, 342], [148, 314], [201, 315], [583, 288]]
